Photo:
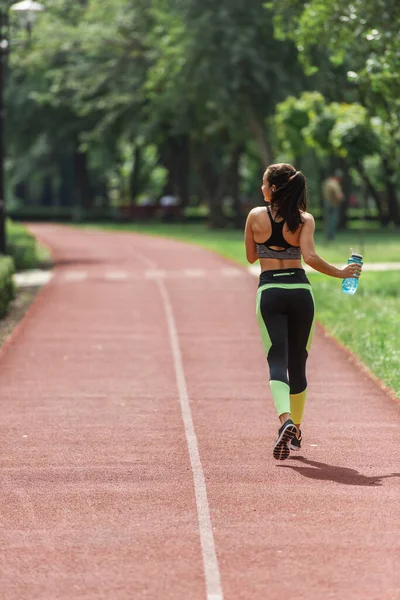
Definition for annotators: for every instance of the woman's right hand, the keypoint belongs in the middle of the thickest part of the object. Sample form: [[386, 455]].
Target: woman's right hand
[[351, 270]]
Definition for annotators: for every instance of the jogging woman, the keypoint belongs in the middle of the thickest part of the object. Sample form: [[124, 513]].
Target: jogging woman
[[278, 235]]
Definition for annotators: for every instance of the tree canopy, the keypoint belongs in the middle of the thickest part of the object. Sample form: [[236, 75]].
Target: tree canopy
[[111, 102]]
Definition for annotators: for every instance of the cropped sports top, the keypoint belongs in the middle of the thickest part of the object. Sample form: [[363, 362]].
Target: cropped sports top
[[276, 238]]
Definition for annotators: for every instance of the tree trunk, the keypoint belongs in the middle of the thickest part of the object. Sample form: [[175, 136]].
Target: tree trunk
[[21, 191], [134, 183], [102, 192], [238, 216], [47, 196], [372, 191], [391, 193], [346, 186], [264, 149], [66, 171], [214, 185], [174, 155], [183, 173], [84, 190]]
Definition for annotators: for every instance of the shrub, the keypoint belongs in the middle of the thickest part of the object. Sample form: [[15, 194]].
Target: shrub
[[21, 246], [7, 287]]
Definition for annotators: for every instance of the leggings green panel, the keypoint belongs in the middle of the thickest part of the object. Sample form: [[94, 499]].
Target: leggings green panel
[[285, 314], [266, 340]]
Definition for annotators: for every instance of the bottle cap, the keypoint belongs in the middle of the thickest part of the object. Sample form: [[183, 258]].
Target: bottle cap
[[356, 255]]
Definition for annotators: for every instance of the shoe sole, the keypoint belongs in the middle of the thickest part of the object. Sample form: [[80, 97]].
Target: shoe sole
[[281, 448]]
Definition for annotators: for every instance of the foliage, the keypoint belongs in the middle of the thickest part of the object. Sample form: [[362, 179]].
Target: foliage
[[112, 101], [362, 37], [7, 288], [363, 33], [137, 74], [336, 128], [22, 247], [293, 116]]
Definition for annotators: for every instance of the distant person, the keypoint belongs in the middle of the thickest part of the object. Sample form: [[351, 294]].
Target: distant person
[[169, 205], [278, 235], [333, 196]]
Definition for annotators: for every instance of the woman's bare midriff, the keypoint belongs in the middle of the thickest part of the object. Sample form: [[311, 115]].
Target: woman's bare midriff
[[269, 264]]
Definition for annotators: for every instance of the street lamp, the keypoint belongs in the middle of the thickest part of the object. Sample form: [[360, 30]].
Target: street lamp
[[27, 9]]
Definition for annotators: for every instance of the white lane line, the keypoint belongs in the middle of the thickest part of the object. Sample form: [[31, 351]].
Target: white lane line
[[210, 561], [231, 272], [74, 275], [193, 273], [116, 275], [211, 569], [154, 273]]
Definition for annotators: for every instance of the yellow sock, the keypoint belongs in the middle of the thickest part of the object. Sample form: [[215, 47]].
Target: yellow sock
[[297, 402]]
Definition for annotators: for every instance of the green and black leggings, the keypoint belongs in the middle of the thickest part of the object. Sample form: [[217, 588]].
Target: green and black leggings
[[285, 313]]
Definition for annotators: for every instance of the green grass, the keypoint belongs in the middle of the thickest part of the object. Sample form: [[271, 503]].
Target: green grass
[[368, 323], [376, 246]]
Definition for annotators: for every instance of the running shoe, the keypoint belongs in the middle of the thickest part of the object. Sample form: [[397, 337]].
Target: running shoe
[[295, 443], [285, 434]]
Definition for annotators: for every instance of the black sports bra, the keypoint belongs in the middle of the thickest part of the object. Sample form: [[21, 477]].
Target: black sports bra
[[276, 238]]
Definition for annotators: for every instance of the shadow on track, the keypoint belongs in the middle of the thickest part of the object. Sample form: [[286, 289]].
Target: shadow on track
[[62, 262], [324, 472]]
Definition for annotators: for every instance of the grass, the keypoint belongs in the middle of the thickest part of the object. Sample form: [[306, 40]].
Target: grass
[[368, 323]]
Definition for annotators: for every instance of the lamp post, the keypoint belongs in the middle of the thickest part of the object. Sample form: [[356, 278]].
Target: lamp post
[[27, 11]]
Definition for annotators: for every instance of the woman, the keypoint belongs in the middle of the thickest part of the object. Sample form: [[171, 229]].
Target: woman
[[278, 235]]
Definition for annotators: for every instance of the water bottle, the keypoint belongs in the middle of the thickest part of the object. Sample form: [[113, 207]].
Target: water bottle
[[350, 284]]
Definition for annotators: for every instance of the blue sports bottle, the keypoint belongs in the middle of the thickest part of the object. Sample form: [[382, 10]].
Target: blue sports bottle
[[350, 284]]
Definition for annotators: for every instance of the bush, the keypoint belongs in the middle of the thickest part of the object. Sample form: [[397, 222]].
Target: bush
[[7, 287], [21, 246]]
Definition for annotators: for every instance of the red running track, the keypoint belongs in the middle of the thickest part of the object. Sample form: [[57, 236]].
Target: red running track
[[137, 433]]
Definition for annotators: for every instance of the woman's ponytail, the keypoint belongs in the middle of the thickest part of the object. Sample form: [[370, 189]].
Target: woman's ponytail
[[290, 195]]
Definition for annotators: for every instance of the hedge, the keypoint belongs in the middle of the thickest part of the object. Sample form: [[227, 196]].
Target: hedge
[[7, 287], [21, 246]]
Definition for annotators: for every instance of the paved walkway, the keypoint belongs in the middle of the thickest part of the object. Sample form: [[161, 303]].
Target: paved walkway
[[136, 439]]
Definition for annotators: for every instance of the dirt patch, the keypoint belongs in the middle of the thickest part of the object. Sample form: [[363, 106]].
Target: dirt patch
[[19, 306]]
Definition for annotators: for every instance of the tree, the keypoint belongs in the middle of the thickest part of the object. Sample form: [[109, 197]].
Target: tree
[[363, 37], [331, 130]]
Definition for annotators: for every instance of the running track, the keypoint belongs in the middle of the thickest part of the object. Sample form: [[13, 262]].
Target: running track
[[137, 432]]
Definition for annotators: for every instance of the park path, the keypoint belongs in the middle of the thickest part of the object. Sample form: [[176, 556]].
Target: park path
[[137, 432]]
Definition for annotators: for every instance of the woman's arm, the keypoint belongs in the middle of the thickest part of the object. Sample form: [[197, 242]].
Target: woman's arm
[[251, 248], [312, 259]]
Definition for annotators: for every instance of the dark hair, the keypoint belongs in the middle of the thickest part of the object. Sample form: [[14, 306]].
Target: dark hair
[[290, 195]]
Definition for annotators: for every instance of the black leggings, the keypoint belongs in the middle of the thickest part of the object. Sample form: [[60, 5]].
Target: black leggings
[[285, 312]]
